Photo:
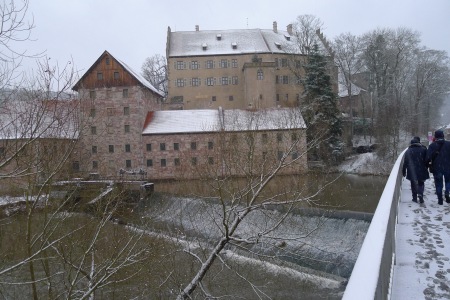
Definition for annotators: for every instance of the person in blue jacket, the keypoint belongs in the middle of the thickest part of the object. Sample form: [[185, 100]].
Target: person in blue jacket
[[415, 169], [438, 159]]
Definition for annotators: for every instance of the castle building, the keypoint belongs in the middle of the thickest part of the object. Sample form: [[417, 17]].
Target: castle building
[[244, 69]]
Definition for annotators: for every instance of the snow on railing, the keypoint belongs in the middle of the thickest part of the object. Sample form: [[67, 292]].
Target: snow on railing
[[371, 276]]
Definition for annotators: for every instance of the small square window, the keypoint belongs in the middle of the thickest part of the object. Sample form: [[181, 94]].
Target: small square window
[[126, 128], [176, 161], [230, 98], [210, 145], [107, 60], [94, 164], [193, 146], [264, 137], [125, 93], [126, 111], [93, 130], [279, 137], [110, 111], [99, 76], [111, 148], [92, 95], [214, 98], [294, 155], [116, 75], [194, 161], [176, 146], [149, 163], [294, 136], [128, 163], [211, 160], [92, 113], [149, 147], [280, 155], [127, 148], [162, 146], [163, 162], [94, 149], [76, 166]]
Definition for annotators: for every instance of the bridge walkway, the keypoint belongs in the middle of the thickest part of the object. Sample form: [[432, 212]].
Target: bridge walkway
[[422, 255]]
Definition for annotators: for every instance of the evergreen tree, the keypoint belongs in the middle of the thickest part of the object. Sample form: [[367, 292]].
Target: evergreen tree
[[320, 112]]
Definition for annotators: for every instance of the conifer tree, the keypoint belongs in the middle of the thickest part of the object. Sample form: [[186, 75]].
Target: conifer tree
[[320, 112]]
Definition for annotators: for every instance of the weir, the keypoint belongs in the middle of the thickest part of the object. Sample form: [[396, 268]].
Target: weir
[[332, 248]]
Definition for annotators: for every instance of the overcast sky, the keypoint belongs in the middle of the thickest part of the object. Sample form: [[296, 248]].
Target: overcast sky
[[136, 29]]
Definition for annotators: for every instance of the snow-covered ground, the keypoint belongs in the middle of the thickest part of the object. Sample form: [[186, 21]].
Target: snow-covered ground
[[422, 269]]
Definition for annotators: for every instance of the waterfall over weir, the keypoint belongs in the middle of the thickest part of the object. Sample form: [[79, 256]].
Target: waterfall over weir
[[317, 242]]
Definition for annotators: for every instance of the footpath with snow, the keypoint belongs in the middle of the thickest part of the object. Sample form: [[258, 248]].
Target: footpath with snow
[[422, 269]]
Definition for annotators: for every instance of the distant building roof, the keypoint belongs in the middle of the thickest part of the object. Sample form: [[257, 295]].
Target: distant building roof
[[55, 119], [355, 90], [210, 120], [232, 41]]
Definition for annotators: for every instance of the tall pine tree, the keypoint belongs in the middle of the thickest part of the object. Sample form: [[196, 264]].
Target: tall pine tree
[[320, 110]]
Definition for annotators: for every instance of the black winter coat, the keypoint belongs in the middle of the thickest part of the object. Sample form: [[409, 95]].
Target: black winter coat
[[441, 161], [414, 165]]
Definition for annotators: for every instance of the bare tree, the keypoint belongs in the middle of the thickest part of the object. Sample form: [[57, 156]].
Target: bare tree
[[154, 69], [260, 157], [305, 31], [431, 73], [348, 48]]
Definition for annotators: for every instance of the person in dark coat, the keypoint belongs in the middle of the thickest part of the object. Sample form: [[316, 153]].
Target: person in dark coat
[[438, 159], [415, 169], [418, 140]]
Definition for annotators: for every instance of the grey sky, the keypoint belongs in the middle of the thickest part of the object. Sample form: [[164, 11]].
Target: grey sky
[[136, 29]]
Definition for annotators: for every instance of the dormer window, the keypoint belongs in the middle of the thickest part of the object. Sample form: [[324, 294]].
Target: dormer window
[[219, 37], [204, 46], [234, 45], [278, 45], [107, 60], [288, 37]]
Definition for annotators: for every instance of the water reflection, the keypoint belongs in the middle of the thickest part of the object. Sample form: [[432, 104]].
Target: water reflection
[[338, 191]]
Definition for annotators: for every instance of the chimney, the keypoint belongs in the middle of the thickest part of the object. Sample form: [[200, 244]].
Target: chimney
[[275, 27], [289, 29], [197, 28]]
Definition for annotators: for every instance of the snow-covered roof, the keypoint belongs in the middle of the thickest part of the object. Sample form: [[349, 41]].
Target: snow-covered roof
[[355, 90], [140, 78], [210, 120], [231, 41], [38, 119]]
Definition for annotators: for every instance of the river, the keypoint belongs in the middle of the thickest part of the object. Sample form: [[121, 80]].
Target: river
[[176, 220]]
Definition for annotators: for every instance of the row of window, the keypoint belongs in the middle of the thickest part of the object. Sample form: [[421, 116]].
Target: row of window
[[226, 63], [209, 81], [163, 162], [212, 81], [111, 148], [110, 111], [176, 146], [116, 75], [93, 94], [109, 129], [162, 147], [209, 64]]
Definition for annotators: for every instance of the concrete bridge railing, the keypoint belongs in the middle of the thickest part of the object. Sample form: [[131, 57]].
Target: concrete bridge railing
[[372, 273]]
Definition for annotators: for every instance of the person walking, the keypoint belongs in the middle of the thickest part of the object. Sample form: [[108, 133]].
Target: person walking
[[438, 160], [415, 169]]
